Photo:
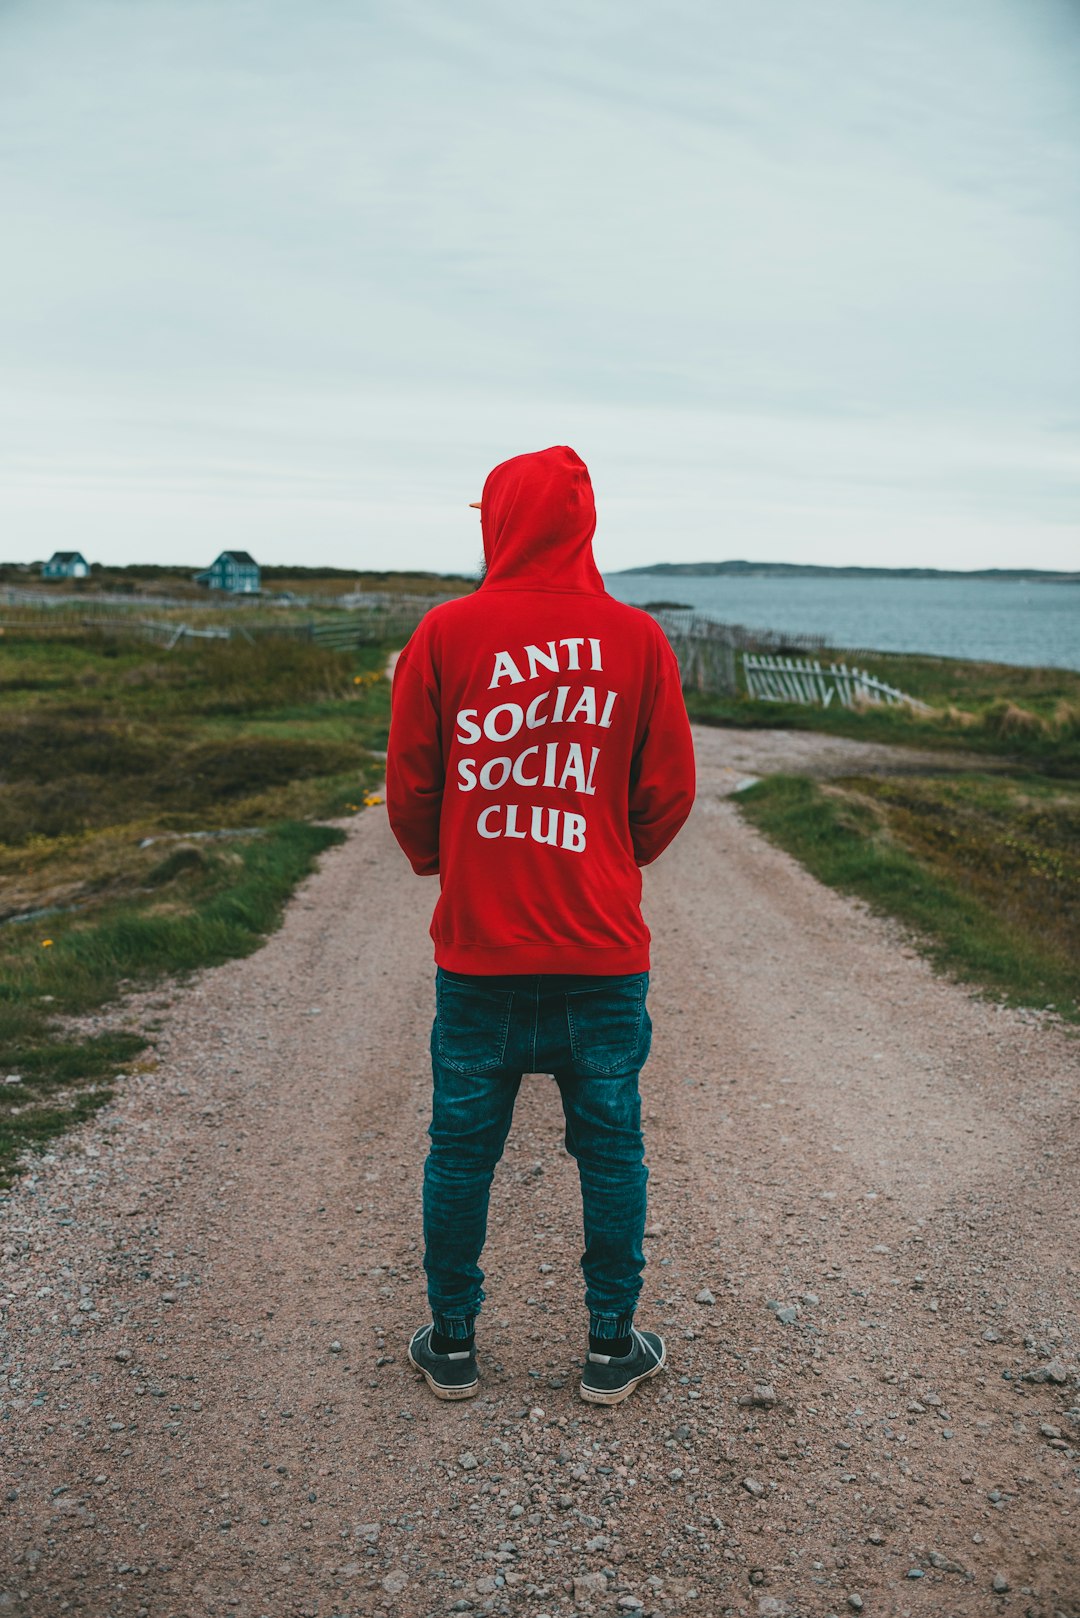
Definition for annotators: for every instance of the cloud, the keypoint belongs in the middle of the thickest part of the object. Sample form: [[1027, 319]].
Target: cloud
[[277, 272]]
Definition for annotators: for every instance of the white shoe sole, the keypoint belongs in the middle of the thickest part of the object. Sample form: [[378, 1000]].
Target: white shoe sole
[[467, 1391], [598, 1396]]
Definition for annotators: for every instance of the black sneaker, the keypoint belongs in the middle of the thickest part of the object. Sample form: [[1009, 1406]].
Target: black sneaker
[[608, 1380], [449, 1376]]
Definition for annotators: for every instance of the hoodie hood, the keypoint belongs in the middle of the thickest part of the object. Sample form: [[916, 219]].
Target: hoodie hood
[[538, 518]]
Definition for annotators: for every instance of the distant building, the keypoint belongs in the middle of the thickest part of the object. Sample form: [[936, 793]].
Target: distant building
[[66, 565], [233, 570]]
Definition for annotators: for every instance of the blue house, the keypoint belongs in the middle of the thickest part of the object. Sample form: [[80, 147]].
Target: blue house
[[66, 565], [236, 571]]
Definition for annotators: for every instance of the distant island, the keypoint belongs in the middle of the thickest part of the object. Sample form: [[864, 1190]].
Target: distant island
[[709, 570]]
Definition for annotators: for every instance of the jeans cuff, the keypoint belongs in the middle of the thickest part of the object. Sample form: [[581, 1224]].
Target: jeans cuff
[[455, 1326], [604, 1326]]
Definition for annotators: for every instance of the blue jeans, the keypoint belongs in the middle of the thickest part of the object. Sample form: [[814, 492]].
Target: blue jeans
[[593, 1034]]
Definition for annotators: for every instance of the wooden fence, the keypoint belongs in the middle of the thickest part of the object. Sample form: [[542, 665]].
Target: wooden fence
[[391, 622], [787, 679], [707, 650], [369, 618]]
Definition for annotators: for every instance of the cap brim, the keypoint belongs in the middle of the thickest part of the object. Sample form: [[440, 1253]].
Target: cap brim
[[475, 504]]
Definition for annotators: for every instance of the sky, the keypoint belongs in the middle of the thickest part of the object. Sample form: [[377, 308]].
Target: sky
[[799, 281]]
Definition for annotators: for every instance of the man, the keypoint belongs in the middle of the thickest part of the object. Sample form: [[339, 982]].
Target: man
[[539, 754]]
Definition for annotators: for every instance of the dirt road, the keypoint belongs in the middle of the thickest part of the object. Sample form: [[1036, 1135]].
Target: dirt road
[[863, 1203]]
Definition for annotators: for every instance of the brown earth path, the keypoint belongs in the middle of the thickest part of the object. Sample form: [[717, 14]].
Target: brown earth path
[[209, 1286]]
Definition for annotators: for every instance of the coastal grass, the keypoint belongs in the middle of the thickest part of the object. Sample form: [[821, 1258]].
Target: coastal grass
[[156, 811], [205, 911], [1027, 715], [984, 868]]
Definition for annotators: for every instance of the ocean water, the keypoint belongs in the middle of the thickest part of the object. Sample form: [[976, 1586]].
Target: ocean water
[[1000, 621]]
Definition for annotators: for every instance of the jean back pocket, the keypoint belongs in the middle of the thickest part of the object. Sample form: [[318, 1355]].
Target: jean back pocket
[[472, 1024], [610, 1029]]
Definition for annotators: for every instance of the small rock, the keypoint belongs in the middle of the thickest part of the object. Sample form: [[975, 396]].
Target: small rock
[[588, 1585], [1049, 1431], [630, 1603], [704, 1296], [788, 1315], [811, 1299], [516, 1511], [675, 1475], [123, 1355], [536, 1413], [771, 1607], [335, 1347], [468, 1462], [945, 1564], [855, 1601], [395, 1581], [991, 1336], [1054, 1372], [914, 1572], [599, 1542], [763, 1396], [752, 1486], [999, 1584]]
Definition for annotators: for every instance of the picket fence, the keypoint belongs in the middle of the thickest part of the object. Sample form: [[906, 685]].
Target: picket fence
[[787, 679], [706, 648]]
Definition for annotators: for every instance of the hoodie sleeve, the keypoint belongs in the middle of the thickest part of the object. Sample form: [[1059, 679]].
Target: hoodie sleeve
[[662, 773], [414, 766]]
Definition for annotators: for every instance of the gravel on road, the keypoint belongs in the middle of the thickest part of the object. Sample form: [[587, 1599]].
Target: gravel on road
[[863, 1245]]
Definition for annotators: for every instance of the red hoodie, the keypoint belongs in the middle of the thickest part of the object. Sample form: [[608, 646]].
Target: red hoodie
[[539, 746]]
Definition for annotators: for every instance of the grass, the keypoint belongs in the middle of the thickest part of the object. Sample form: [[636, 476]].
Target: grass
[[158, 808], [1031, 715], [985, 868], [99, 733]]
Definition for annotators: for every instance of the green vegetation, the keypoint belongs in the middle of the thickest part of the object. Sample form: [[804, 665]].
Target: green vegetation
[[155, 811], [1037, 723], [984, 864], [986, 868]]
